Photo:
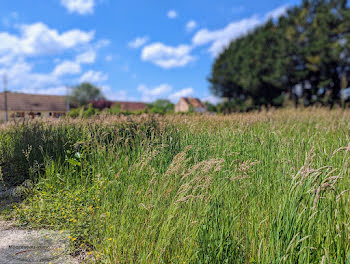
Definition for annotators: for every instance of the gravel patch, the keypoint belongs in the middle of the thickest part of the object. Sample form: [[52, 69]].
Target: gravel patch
[[21, 246]]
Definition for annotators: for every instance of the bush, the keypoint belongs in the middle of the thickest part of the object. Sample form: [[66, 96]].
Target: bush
[[83, 112], [90, 111], [233, 106], [75, 112]]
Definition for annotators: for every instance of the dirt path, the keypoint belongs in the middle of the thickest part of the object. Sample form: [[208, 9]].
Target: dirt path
[[19, 246]]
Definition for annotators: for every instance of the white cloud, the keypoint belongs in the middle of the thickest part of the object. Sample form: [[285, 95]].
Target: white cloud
[[182, 93], [102, 43], [149, 95], [191, 25], [16, 69], [212, 99], [219, 39], [74, 67], [82, 7], [21, 77], [166, 56], [87, 57], [138, 42], [54, 90], [105, 88], [6, 59], [172, 14], [9, 44], [39, 39], [67, 68], [94, 77], [276, 13]]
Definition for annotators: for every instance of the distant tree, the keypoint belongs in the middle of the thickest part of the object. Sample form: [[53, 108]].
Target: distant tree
[[85, 93], [211, 107], [161, 106]]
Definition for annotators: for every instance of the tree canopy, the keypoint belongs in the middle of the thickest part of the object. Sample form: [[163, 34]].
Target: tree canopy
[[305, 54], [161, 106], [85, 93]]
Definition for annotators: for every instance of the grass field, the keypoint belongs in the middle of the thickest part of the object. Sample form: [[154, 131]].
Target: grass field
[[248, 188]]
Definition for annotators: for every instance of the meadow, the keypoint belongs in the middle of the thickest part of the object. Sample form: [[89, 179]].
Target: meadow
[[269, 187]]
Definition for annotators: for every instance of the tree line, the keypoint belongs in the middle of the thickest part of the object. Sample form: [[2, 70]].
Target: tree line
[[87, 100], [302, 56]]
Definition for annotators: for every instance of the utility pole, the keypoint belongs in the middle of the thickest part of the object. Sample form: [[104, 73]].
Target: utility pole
[[5, 97]]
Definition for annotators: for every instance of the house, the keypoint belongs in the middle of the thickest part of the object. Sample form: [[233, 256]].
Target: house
[[20, 105], [187, 104]]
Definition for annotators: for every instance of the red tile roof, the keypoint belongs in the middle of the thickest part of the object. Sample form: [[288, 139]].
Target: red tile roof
[[195, 102], [33, 102]]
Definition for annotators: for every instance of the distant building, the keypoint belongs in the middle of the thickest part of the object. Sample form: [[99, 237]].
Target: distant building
[[124, 106], [131, 106], [28, 106], [187, 104]]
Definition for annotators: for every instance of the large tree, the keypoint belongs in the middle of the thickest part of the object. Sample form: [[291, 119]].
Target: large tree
[[247, 69], [307, 48], [85, 93]]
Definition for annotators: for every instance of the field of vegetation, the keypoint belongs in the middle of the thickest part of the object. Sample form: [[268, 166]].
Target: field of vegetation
[[269, 187]]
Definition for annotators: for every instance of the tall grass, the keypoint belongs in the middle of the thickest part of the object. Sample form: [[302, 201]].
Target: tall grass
[[248, 188]]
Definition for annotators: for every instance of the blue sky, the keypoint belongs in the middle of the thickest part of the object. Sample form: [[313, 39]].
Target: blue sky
[[134, 50]]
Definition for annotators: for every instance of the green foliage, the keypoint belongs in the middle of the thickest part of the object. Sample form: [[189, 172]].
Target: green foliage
[[308, 46], [211, 107], [83, 112], [191, 109], [161, 106], [76, 112], [278, 101], [25, 147], [217, 242], [235, 105], [85, 93], [245, 188], [114, 110], [90, 111]]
